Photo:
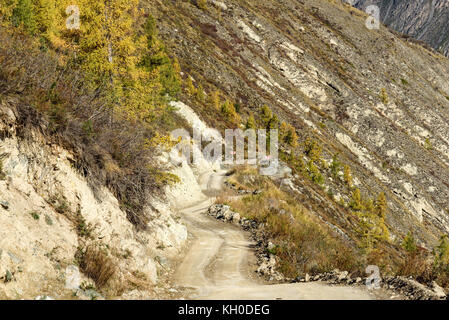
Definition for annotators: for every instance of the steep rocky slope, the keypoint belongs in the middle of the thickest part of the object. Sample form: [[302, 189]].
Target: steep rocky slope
[[380, 102], [50, 215], [424, 20]]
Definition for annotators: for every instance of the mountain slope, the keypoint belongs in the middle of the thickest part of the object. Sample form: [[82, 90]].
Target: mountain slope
[[422, 20], [364, 137], [380, 102]]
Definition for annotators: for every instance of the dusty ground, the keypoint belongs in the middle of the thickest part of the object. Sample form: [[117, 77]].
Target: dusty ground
[[220, 262]]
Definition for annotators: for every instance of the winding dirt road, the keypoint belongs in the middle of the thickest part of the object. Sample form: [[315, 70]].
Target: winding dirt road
[[220, 262]]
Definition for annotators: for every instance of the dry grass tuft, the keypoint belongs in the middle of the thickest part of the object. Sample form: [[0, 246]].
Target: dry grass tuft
[[96, 264]]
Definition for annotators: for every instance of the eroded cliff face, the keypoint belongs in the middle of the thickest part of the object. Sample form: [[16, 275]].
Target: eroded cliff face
[[49, 212], [380, 102], [424, 20]]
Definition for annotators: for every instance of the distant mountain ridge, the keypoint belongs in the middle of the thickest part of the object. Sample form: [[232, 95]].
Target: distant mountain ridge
[[425, 20]]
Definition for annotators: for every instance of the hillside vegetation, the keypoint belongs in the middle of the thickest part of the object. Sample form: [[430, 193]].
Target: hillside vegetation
[[103, 88], [363, 118], [370, 111]]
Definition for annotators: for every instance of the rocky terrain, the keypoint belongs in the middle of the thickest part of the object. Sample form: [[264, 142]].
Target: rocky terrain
[[49, 212], [380, 102], [424, 20], [371, 98], [219, 262], [393, 287]]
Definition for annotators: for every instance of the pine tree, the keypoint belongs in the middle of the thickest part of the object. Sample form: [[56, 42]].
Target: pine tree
[[121, 53], [335, 165], [107, 49], [313, 150], [214, 99], [6, 10], [150, 29], [441, 252], [283, 130], [93, 46], [368, 206], [200, 93], [191, 90], [381, 205], [251, 123], [202, 4], [273, 123], [176, 81], [228, 110], [156, 53], [347, 176], [156, 59], [170, 79], [24, 15], [291, 137], [356, 201], [50, 19], [270, 121], [409, 243], [314, 173], [288, 134], [267, 114]]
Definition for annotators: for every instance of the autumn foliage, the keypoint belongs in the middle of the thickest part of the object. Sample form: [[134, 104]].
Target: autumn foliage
[[101, 90]]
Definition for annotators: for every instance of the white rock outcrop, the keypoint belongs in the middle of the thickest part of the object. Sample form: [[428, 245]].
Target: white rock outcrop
[[38, 244]]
